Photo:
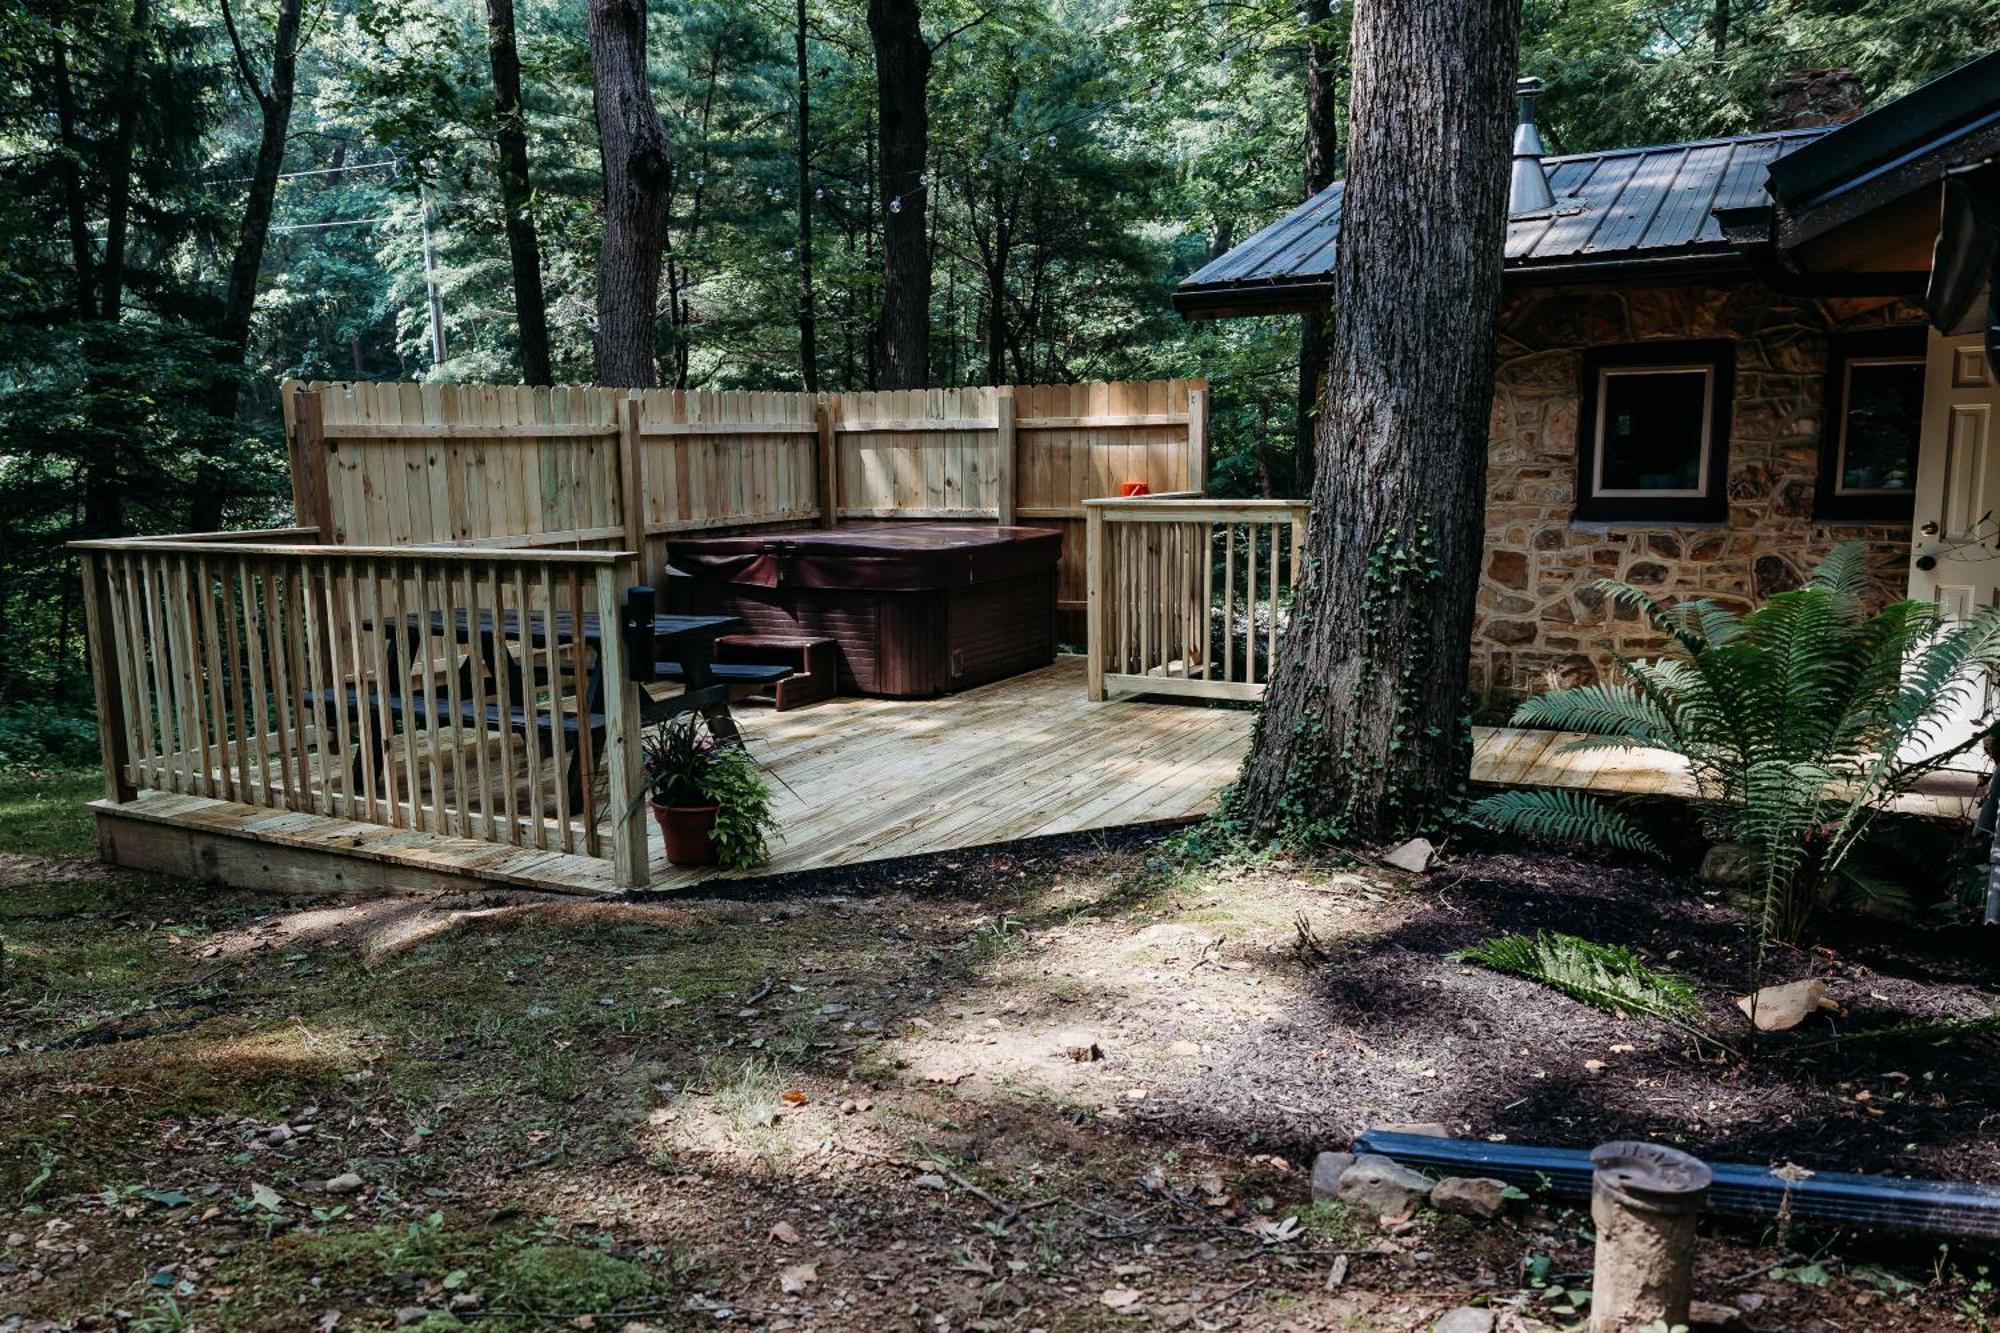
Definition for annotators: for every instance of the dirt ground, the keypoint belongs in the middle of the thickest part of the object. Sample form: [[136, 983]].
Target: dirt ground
[[850, 1101]]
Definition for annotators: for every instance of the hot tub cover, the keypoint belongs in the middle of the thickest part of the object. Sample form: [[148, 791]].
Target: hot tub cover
[[890, 557]]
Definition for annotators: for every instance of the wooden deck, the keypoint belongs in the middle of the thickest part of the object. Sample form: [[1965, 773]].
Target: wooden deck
[[860, 780]]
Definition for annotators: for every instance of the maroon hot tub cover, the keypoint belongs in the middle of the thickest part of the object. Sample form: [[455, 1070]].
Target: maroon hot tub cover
[[914, 608]]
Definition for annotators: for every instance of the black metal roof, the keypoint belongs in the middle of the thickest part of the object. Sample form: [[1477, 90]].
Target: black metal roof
[[1617, 212]]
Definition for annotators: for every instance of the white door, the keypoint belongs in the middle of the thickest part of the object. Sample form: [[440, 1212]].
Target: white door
[[1955, 554], [1955, 550]]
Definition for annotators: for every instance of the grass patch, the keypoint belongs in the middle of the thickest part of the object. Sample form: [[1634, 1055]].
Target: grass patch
[[43, 813], [517, 1278], [1331, 1222]]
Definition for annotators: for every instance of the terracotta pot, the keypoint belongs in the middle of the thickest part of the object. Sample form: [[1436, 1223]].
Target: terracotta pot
[[686, 829]]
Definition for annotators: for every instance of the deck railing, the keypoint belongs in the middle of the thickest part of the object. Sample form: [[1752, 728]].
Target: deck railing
[[1186, 595], [414, 688]]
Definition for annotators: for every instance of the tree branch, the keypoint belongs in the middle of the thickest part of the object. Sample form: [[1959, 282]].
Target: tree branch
[[243, 70]]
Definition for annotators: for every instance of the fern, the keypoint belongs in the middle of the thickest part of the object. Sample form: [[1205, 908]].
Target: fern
[[1604, 976], [1796, 719], [1565, 816]]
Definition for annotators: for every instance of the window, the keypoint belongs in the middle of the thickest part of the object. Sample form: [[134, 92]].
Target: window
[[1654, 432], [1874, 412]]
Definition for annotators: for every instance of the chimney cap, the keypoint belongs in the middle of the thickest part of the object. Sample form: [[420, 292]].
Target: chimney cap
[[1527, 86], [1528, 193]]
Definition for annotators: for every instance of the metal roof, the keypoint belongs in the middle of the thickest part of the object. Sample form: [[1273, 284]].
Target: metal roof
[[1615, 210]]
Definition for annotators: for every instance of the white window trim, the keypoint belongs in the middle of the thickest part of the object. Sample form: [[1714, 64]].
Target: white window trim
[[1840, 487], [1706, 369]]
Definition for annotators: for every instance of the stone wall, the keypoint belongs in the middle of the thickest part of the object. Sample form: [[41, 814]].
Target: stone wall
[[1539, 621]]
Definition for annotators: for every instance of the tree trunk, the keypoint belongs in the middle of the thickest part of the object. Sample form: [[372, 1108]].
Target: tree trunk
[[118, 168], [638, 170], [74, 209], [1322, 136], [1362, 731], [239, 300], [902, 81], [808, 316], [524, 249]]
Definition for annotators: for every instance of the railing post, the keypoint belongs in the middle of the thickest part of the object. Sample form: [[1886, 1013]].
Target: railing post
[[1003, 437], [1197, 462], [828, 462], [621, 734], [1094, 594], [104, 683]]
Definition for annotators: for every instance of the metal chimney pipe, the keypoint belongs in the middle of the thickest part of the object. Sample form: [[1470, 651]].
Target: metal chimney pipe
[[1528, 192]]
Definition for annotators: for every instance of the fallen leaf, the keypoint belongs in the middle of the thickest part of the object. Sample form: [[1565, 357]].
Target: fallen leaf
[[929, 1180], [785, 1233], [1120, 1298], [797, 1278], [263, 1196], [793, 1097]]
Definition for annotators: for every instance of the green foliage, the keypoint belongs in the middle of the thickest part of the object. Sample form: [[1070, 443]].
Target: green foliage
[[1563, 815], [1801, 721], [684, 763], [1605, 976], [41, 736]]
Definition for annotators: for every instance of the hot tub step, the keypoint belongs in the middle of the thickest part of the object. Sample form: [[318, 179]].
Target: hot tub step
[[811, 661]]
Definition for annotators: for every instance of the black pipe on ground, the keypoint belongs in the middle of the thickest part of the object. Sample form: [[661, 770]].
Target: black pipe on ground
[[1928, 1207]]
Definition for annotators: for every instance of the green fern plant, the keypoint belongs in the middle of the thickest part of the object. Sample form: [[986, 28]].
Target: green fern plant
[[1605, 976], [1800, 721]]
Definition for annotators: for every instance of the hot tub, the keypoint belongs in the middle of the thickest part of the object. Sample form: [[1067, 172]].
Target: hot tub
[[914, 609]]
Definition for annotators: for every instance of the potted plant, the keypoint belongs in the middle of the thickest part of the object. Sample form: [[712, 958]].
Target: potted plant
[[712, 803]]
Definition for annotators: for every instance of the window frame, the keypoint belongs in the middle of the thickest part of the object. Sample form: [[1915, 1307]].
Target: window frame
[[1905, 346], [1709, 501]]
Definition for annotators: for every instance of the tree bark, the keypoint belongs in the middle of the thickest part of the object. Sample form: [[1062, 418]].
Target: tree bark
[[1362, 731], [524, 249], [74, 209], [239, 300], [808, 315], [638, 172], [118, 166], [902, 81], [1322, 138]]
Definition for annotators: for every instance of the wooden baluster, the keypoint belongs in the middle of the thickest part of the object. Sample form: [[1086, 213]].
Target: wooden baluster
[[585, 744], [559, 751], [403, 634], [1097, 588], [537, 806], [342, 766], [166, 688], [503, 689], [478, 658], [255, 709], [1229, 601], [1271, 632], [431, 620], [461, 824], [187, 695], [284, 705], [210, 633], [356, 659], [235, 675], [621, 735], [386, 693], [1206, 609], [1250, 601], [131, 659]]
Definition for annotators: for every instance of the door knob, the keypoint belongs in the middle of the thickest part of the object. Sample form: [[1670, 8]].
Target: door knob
[[1929, 529]]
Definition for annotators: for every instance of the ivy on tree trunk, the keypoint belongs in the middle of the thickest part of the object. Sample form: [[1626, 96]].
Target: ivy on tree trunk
[[1362, 733], [638, 171]]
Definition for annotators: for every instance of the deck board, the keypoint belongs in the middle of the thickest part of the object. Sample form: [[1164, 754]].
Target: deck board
[[867, 779]]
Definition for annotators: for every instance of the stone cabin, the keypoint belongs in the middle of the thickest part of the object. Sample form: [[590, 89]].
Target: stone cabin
[[1717, 361]]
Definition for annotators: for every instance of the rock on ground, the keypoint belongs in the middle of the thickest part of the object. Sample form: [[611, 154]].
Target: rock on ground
[[1465, 1319], [1470, 1196], [1415, 856], [1782, 1008], [1328, 1168], [1383, 1188]]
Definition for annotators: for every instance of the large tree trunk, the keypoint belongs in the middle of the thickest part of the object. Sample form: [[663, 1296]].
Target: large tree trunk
[[524, 249], [1322, 137], [239, 299], [118, 165], [638, 172], [808, 315], [1362, 733], [902, 81]]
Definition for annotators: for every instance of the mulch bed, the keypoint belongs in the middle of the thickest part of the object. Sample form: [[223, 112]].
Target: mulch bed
[[1398, 1031]]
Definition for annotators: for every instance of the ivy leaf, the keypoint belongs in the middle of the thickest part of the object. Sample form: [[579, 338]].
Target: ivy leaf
[[263, 1196]]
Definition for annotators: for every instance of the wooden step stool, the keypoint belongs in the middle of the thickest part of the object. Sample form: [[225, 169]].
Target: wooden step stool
[[812, 662]]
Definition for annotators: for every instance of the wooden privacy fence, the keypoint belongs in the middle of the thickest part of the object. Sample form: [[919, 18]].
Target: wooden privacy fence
[[1187, 596], [413, 689], [393, 464]]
